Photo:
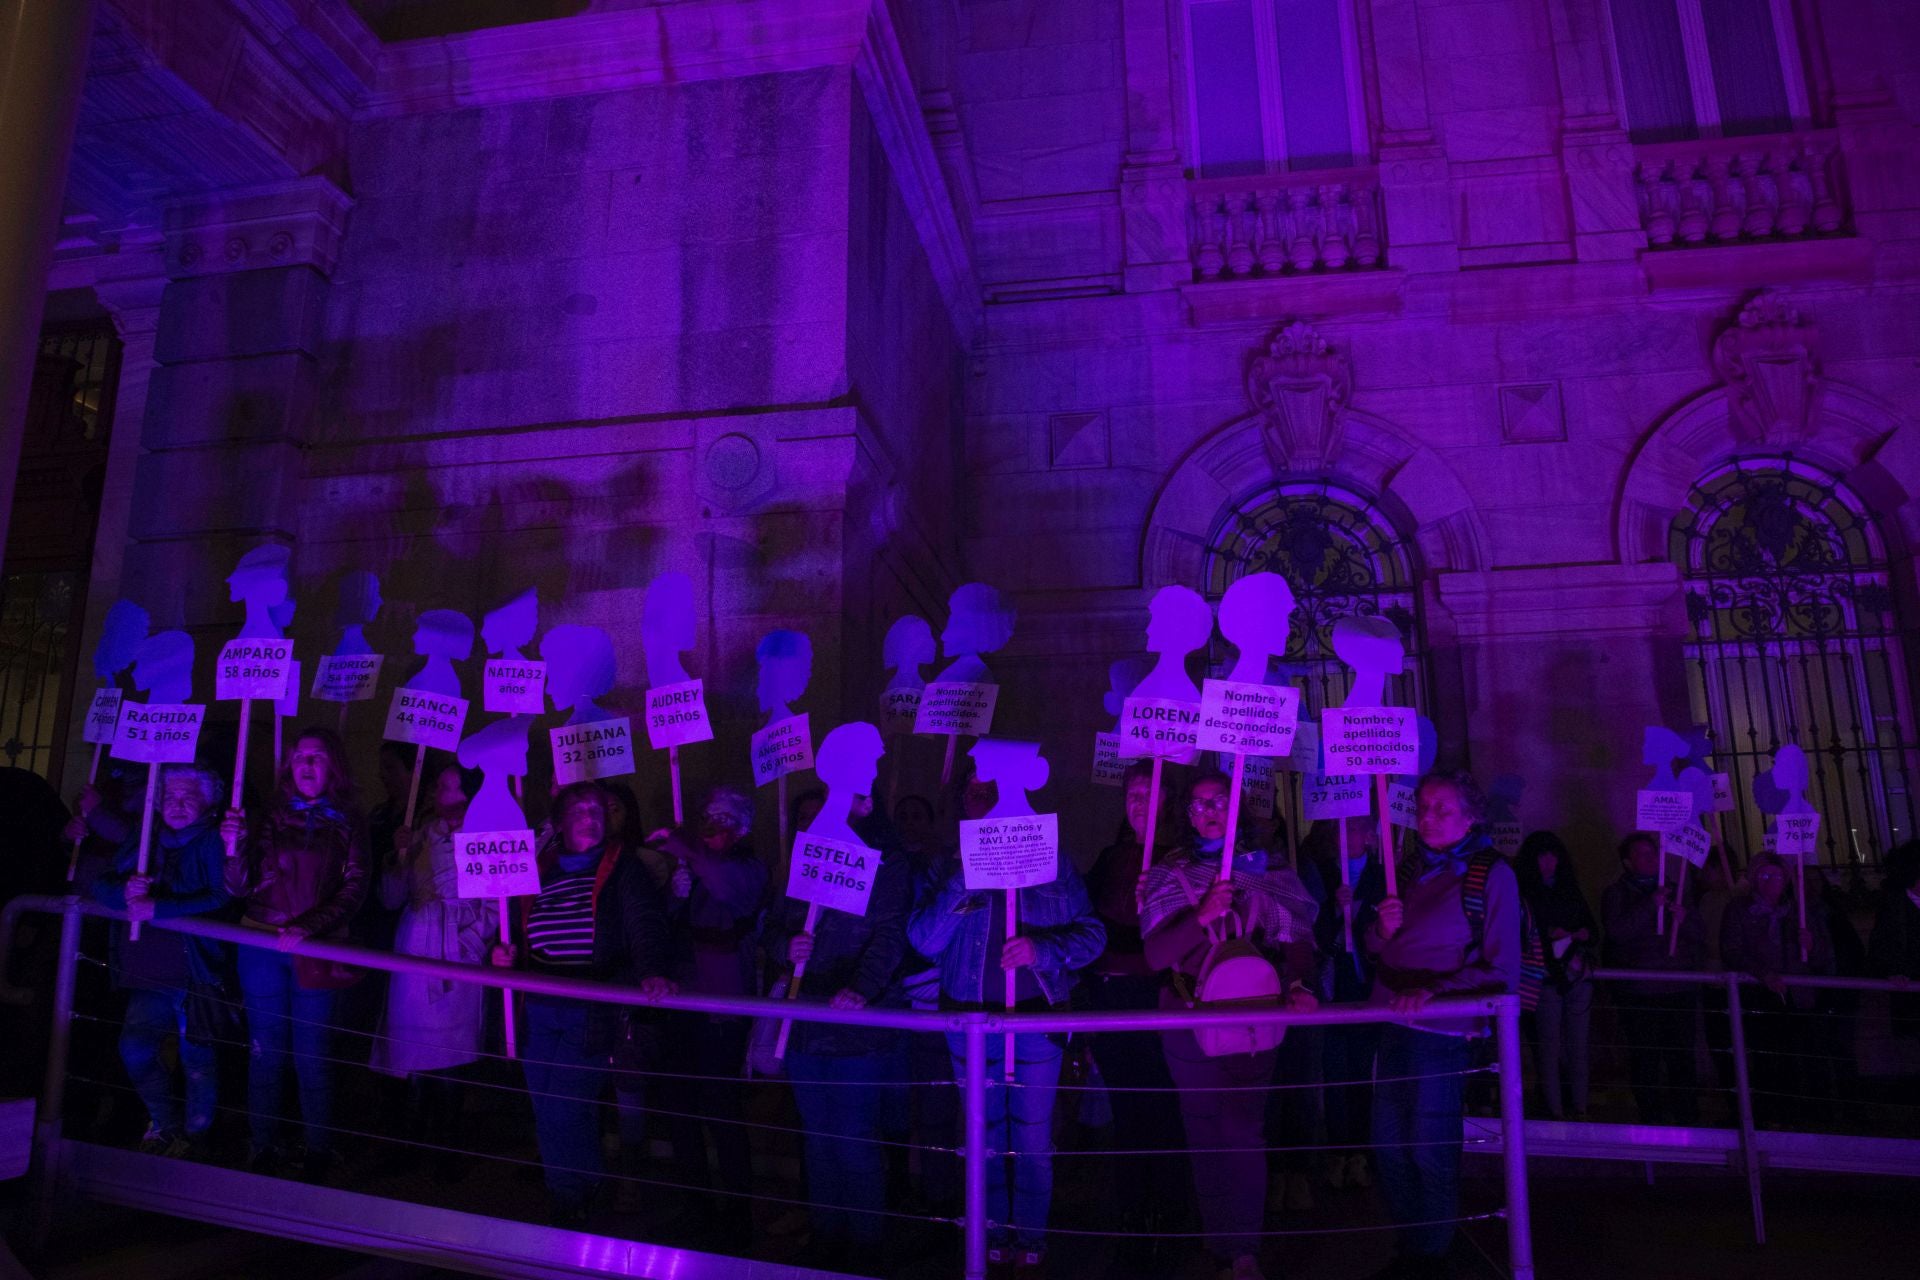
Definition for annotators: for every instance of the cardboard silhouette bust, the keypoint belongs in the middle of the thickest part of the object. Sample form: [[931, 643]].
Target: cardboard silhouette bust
[[1179, 621], [1660, 747], [979, 621], [908, 647], [580, 669], [1503, 797], [499, 751], [359, 604], [1123, 677], [1371, 648], [1785, 784], [1014, 769], [1256, 617], [786, 665], [163, 667], [667, 628], [126, 626], [508, 630], [259, 582], [442, 637], [848, 760]]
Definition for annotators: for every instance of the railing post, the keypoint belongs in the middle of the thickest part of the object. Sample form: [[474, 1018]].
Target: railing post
[[1743, 1097], [1513, 1134], [975, 1224], [53, 1090]]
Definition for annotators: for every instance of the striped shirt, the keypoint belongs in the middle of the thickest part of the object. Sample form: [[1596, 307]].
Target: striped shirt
[[1270, 901], [560, 923]]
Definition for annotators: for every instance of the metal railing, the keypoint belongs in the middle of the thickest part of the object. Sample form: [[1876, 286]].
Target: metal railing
[[973, 1027]]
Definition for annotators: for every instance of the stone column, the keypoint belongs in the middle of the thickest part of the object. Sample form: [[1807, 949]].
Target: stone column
[[43, 58], [1153, 185]]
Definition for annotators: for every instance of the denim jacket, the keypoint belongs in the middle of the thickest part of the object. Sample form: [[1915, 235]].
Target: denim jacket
[[951, 930], [186, 870]]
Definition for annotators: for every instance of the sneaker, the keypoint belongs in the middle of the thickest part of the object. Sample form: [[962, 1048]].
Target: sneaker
[[1029, 1264], [1358, 1175], [999, 1262], [1299, 1193], [156, 1142]]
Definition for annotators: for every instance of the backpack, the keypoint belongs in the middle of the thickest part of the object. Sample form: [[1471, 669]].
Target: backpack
[[1473, 900], [1234, 973]]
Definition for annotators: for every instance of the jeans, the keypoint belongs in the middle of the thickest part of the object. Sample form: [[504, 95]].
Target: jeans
[[1563, 1019], [1347, 1063], [153, 1018], [565, 1083], [1660, 1043], [839, 1101], [1134, 1068], [1020, 1120], [1225, 1111], [702, 1088], [285, 1020], [1419, 1102]]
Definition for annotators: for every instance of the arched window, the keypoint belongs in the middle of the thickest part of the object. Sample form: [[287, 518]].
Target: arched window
[[1340, 556], [1794, 639]]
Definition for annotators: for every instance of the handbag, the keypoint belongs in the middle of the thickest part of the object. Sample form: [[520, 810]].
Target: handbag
[[1235, 972], [764, 1038], [310, 973], [212, 1012]]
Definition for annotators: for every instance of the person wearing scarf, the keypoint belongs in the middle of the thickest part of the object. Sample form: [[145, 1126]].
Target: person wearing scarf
[[1760, 936], [1657, 1019], [301, 872], [1184, 906], [1424, 947]]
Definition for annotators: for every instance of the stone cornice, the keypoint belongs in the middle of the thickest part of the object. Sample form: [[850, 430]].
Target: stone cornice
[[299, 222], [1514, 604]]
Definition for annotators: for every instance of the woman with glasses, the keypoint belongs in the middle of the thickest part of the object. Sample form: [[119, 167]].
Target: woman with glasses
[[1186, 909]]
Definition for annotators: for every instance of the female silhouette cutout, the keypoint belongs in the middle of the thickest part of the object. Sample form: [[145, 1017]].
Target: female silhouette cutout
[[1370, 646], [667, 628], [579, 669], [1660, 747], [979, 620], [1123, 677], [1788, 780], [908, 647], [259, 582], [509, 629], [1256, 616], [163, 667], [359, 604], [1179, 621], [1503, 797], [126, 626], [786, 665], [442, 637], [499, 751], [1014, 769], [847, 761]]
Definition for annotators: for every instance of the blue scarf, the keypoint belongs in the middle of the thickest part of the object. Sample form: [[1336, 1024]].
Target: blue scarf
[[318, 807], [1454, 857], [1251, 861], [573, 864]]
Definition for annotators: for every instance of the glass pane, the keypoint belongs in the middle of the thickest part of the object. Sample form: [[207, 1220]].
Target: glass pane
[[1653, 70], [1747, 80], [1313, 83], [1226, 89]]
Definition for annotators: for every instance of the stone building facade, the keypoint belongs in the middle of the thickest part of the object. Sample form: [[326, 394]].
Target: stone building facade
[[836, 304]]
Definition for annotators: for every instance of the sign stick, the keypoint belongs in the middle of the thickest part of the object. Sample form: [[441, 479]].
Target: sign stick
[[793, 987], [786, 838], [1283, 797], [279, 725], [1386, 832], [1660, 882], [1346, 879], [413, 791], [506, 993], [1153, 825], [946, 766], [1680, 896], [93, 771], [679, 803], [239, 763], [1013, 976], [146, 834], [343, 718], [893, 776], [1720, 848], [1800, 902], [1233, 818]]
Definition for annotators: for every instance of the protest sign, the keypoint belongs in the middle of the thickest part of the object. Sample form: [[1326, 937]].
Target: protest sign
[[1723, 800], [426, 719], [1506, 838], [783, 747], [158, 732], [1797, 835], [1010, 853], [346, 677], [1305, 755], [592, 749], [102, 714], [253, 668], [495, 864], [1370, 740], [514, 686], [836, 874], [956, 709], [1689, 842], [1162, 728], [676, 710], [1333, 795], [676, 715], [1662, 810], [1109, 770], [1247, 719], [1401, 810]]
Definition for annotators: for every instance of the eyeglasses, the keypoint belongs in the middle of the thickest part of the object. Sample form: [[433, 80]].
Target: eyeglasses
[[1208, 806]]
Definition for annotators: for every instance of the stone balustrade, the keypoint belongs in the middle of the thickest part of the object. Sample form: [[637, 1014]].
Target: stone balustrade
[[1766, 187], [1285, 224]]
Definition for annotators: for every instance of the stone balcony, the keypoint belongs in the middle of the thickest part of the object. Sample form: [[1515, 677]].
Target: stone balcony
[[1309, 223], [1765, 188]]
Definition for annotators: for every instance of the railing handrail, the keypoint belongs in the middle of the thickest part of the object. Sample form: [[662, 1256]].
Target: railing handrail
[[1718, 977], [531, 982]]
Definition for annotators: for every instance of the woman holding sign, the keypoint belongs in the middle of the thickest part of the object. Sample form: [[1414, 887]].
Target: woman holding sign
[[1454, 928], [302, 872], [1188, 907], [1760, 936], [597, 915], [432, 1024]]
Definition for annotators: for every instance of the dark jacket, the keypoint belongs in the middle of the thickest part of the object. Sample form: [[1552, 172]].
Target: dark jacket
[[1112, 884], [951, 928], [187, 880], [304, 866], [861, 954], [1346, 977], [714, 924], [1765, 942], [1561, 905], [1630, 910], [1893, 951]]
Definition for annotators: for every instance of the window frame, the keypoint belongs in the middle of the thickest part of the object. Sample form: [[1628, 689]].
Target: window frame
[[1701, 91], [1273, 120]]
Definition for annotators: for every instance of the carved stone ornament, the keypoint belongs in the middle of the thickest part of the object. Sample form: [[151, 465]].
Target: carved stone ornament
[[1769, 357], [1301, 387]]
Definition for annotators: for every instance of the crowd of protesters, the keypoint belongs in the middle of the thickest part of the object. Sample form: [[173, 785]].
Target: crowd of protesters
[[1207, 1140]]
